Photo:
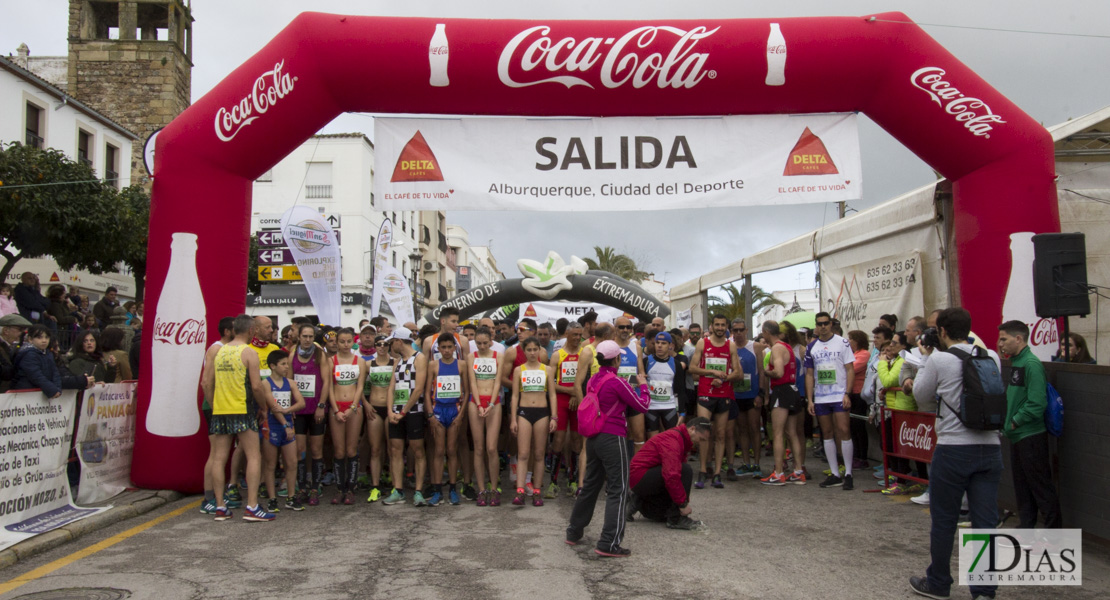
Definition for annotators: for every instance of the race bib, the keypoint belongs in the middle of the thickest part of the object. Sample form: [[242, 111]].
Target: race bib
[[661, 390], [448, 387], [485, 368], [380, 376], [626, 373], [533, 381], [306, 384], [400, 398], [743, 385], [263, 373], [826, 376], [346, 374], [716, 363], [568, 372], [284, 399]]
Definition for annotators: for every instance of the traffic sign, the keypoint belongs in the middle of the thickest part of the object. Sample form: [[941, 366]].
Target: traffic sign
[[272, 221], [275, 256], [270, 238], [284, 273]]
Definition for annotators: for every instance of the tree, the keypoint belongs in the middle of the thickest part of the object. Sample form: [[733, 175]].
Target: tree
[[51, 205], [732, 304], [136, 204], [253, 285], [618, 264]]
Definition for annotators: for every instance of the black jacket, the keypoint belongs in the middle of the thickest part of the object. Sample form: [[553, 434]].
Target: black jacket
[[30, 299], [36, 369]]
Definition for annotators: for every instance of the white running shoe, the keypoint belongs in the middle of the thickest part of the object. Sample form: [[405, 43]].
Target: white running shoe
[[923, 499]]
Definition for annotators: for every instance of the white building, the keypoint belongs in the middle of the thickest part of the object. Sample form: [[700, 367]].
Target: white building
[[473, 265], [331, 173]]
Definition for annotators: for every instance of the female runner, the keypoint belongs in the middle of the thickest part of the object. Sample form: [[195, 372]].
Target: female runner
[[534, 406], [485, 416], [309, 365], [379, 393], [345, 418]]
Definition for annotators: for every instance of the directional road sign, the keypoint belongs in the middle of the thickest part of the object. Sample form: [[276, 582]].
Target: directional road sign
[[275, 256], [268, 239], [285, 273], [272, 221]]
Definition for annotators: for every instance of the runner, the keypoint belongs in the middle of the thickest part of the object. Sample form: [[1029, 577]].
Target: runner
[[382, 324], [208, 507], [283, 401], [829, 376], [785, 403], [514, 358], [309, 364], [717, 365], [406, 422], [564, 366], [666, 377], [688, 347], [485, 415], [345, 417], [262, 330], [228, 383], [448, 323], [379, 386], [631, 365], [748, 401], [445, 388], [533, 405]]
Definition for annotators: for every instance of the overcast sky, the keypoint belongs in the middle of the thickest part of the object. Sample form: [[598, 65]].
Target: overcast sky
[[1051, 77]]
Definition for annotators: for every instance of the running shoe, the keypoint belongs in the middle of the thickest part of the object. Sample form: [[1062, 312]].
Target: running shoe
[[453, 497], [774, 479], [832, 481], [615, 552], [328, 479], [552, 491], [920, 585], [435, 498], [349, 498], [518, 500], [272, 506], [849, 485], [700, 484], [829, 471], [313, 498], [796, 478], [572, 489], [338, 498], [755, 471], [897, 489], [375, 495], [717, 483], [482, 498], [364, 481], [738, 454], [418, 499], [730, 474], [283, 490], [294, 504], [743, 471], [208, 507], [915, 488], [395, 497], [257, 514], [469, 492], [232, 493], [223, 514], [262, 491], [683, 523], [923, 499], [879, 473], [537, 500], [233, 503], [528, 489], [495, 498]]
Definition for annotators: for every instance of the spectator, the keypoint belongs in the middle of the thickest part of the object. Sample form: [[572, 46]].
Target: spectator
[[136, 349], [111, 345], [36, 367], [890, 370], [74, 295], [85, 358], [1077, 351], [82, 309], [660, 476], [60, 309], [129, 308], [70, 381], [137, 320], [88, 323], [889, 321], [860, 349], [7, 303], [106, 307], [28, 297], [11, 330]]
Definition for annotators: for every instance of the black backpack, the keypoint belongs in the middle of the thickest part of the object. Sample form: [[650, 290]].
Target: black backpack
[[983, 402]]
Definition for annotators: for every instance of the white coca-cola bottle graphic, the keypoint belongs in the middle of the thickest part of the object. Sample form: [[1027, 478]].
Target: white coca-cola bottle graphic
[[177, 352], [1019, 305], [437, 57], [776, 57]]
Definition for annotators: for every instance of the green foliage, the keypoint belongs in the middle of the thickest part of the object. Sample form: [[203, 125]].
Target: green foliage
[[732, 304], [608, 259], [253, 285]]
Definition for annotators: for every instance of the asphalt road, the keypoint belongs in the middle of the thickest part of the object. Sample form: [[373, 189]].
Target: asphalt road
[[758, 542]]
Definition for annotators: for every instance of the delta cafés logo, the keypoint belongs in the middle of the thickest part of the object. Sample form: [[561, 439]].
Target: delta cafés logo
[[417, 162], [1021, 557]]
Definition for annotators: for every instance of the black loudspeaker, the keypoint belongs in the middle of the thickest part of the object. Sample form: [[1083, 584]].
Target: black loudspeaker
[[1060, 275]]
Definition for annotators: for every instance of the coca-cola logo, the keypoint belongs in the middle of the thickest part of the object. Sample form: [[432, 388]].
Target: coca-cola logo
[[271, 86], [776, 49], [916, 437], [180, 333], [437, 50], [975, 115], [677, 66], [1043, 333]]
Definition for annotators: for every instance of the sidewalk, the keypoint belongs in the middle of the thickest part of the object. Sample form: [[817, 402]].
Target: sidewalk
[[126, 505]]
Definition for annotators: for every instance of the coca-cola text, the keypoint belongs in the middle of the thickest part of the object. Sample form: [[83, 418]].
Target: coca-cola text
[[1043, 333], [680, 68], [184, 333], [972, 112], [919, 437], [271, 86]]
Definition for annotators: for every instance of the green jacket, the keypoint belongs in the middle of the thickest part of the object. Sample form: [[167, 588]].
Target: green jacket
[[1026, 397]]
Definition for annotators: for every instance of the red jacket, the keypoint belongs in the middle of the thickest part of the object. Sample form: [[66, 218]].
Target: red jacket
[[669, 450]]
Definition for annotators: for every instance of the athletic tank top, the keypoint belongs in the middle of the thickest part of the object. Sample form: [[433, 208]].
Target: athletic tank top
[[485, 369], [345, 374], [660, 376], [379, 376], [283, 394], [405, 376], [715, 358], [533, 380], [627, 368], [790, 370], [309, 381], [263, 353], [566, 372], [448, 382], [230, 394], [435, 347], [747, 387]]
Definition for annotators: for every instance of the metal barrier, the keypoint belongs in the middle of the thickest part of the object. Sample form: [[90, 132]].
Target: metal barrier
[[913, 437]]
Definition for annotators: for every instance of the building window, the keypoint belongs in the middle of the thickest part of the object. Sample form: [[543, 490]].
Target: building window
[[404, 226], [371, 198], [111, 165], [34, 126], [395, 258], [84, 148], [318, 180]]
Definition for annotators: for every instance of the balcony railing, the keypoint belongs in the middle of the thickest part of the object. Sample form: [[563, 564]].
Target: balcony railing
[[442, 242], [111, 178], [317, 191], [34, 140]]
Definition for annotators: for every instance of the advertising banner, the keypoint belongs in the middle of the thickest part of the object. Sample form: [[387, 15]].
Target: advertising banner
[[34, 490], [618, 163], [684, 318], [550, 312], [858, 294], [915, 435], [315, 249], [389, 283], [105, 438]]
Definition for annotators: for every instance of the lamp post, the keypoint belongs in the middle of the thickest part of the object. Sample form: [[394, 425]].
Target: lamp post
[[414, 260]]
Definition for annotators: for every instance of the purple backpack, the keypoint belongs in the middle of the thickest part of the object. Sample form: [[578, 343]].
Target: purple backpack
[[590, 419]]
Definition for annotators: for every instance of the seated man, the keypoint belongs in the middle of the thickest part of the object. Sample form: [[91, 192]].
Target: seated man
[[661, 477]]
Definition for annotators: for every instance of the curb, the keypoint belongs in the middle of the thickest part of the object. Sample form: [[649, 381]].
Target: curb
[[137, 503]]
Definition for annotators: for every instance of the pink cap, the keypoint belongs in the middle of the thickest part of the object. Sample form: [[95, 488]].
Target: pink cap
[[608, 349]]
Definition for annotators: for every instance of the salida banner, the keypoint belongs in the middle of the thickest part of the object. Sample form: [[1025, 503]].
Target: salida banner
[[620, 163], [34, 489], [858, 294]]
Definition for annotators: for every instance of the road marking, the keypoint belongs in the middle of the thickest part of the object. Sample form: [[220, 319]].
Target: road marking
[[48, 568]]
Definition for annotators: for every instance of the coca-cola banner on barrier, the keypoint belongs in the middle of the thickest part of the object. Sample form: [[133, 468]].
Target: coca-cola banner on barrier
[[389, 283], [316, 251], [858, 294], [615, 164], [915, 436], [322, 65]]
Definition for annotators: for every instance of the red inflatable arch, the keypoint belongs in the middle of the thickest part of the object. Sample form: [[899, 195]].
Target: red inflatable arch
[[999, 159]]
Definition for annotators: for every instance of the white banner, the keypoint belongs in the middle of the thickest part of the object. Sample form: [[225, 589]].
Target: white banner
[[105, 438], [550, 312], [315, 249], [389, 283], [684, 318], [858, 294], [34, 490], [620, 163]]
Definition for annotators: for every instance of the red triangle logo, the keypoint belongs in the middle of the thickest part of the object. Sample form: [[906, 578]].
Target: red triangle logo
[[530, 311], [809, 157], [417, 162], [54, 277]]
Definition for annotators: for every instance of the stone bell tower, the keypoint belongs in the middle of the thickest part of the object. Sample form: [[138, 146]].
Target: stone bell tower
[[132, 61]]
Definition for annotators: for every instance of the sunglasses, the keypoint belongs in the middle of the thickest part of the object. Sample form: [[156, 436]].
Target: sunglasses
[[381, 344], [739, 330], [624, 327], [823, 323], [523, 329]]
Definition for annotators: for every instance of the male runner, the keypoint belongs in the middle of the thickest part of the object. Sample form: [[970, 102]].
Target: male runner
[[262, 331], [786, 406], [208, 507], [406, 421], [666, 375], [564, 365], [716, 362], [630, 366], [829, 375], [748, 401]]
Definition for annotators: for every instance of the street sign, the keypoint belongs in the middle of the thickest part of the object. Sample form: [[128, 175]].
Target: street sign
[[270, 238], [272, 221], [275, 256], [285, 273], [333, 220]]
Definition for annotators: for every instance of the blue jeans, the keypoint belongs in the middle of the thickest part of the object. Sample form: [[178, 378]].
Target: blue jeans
[[976, 470]]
